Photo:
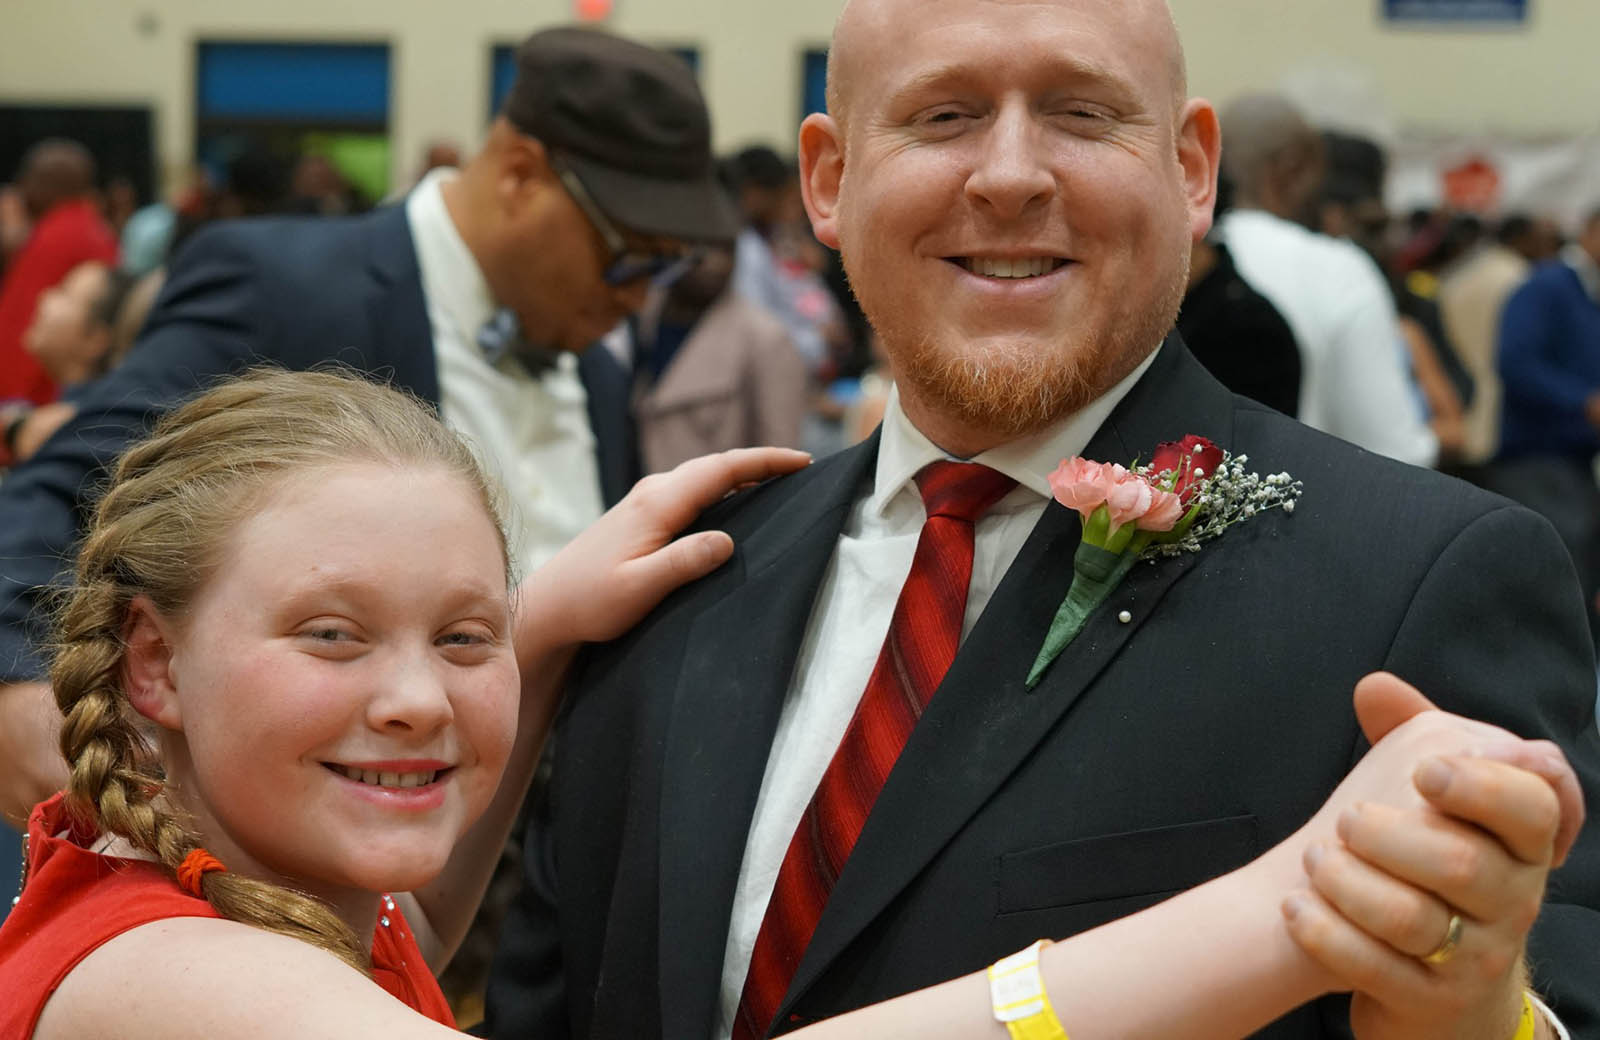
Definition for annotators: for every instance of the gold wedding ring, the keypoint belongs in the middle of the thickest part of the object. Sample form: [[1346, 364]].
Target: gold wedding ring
[[1447, 946]]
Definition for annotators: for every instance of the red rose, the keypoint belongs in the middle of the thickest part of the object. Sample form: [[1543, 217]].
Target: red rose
[[1192, 460]]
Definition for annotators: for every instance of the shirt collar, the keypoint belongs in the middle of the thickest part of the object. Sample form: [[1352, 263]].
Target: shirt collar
[[1588, 272], [450, 272], [903, 449]]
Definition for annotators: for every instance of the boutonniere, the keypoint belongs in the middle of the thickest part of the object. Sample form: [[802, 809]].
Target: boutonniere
[[1187, 494]]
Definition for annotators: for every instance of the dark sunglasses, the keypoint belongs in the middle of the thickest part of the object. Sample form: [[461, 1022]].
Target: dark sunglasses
[[627, 264]]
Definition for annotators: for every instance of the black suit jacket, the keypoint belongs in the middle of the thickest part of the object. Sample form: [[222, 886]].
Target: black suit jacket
[[1153, 756], [292, 292]]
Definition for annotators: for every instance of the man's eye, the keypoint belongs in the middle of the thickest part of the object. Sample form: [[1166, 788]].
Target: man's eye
[[1082, 114], [330, 635], [942, 117]]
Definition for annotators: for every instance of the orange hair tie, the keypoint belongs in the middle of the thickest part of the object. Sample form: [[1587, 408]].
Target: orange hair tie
[[196, 865]]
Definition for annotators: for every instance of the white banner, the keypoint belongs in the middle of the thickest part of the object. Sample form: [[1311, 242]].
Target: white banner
[[1493, 176]]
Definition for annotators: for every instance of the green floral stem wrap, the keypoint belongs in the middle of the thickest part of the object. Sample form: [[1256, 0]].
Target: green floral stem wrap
[[1096, 572]]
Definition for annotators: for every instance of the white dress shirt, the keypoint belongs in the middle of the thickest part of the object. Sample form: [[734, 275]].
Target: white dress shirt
[[532, 433], [1355, 383], [851, 619]]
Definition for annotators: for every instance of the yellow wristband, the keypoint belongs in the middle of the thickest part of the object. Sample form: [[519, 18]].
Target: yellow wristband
[[1527, 1025], [1017, 991]]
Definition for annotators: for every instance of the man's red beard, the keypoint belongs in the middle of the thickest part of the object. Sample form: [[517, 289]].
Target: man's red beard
[[1022, 386]]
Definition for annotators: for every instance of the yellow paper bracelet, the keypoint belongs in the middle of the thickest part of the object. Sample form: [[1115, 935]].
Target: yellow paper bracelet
[[1527, 1025], [1016, 990]]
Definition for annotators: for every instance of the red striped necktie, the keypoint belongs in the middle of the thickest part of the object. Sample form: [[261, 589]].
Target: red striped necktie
[[923, 635]]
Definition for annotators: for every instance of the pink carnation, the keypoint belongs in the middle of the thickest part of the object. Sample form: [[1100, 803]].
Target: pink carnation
[[1082, 485], [1166, 509], [1129, 498]]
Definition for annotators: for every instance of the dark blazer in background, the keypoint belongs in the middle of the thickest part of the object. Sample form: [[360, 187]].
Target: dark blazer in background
[[1154, 755], [292, 292], [1239, 336]]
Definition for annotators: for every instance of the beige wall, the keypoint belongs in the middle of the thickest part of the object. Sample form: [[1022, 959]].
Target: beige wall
[[112, 51], [1539, 80]]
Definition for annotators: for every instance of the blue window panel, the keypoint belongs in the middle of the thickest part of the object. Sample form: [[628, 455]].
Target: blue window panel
[[336, 83], [814, 82], [1456, 11], [690, 56], [503, 70]]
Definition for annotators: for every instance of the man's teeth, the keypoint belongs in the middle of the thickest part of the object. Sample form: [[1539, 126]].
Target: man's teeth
[[1032, 267], [377, 779]]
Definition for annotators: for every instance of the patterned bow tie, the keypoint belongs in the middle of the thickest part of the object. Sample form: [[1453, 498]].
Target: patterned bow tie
[[501, 336]]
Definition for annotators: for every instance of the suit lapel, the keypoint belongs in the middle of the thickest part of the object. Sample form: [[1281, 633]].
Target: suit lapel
[[397, 313], [982, 722], [737, 665]]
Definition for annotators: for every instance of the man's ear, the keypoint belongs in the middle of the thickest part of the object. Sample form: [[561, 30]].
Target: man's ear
[[1199, 153], [821, 170], [522, 165], [147, 665]]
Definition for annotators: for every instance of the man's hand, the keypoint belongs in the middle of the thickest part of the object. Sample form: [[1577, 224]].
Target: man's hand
[[31, 766], [1480, 845]]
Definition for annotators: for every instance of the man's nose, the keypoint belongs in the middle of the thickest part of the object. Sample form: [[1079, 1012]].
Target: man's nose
[[1013, 173]]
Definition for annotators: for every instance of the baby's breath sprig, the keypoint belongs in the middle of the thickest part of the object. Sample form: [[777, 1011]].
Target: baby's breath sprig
[[1227, 497]]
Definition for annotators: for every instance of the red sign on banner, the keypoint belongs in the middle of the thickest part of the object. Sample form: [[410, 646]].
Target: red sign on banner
[[1473, 186], [593, 10]]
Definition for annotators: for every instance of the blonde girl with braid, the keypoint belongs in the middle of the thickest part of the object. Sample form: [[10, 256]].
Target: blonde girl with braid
[[289, 675], [298, 585]]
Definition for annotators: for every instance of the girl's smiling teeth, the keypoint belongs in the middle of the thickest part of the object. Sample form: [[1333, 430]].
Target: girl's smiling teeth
[[1005, 267], [386, 779]]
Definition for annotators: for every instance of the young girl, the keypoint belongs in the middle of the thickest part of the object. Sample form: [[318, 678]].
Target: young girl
[[301, 707]]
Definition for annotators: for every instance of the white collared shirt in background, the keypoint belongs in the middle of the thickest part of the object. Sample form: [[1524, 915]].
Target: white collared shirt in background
[[851, 619], [531, 432], [1356, 383]]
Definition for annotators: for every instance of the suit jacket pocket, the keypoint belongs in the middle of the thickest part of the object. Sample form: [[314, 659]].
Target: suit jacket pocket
[[1119, 866]]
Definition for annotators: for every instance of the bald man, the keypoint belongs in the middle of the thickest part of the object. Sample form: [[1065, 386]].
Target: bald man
[[774, 801], [55, 182]]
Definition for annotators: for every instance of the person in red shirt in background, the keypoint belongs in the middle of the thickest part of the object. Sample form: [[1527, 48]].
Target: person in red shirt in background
[[56, 183]]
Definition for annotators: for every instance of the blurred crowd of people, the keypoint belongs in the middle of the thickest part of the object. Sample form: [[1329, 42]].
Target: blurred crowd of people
[[772, 331], [1447, 339], [1455, 340]]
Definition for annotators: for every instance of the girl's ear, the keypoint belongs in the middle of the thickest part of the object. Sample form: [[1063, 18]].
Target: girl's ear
[[147, 665]]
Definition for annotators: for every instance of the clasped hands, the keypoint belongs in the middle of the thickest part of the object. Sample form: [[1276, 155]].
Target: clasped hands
[[1445, 819]]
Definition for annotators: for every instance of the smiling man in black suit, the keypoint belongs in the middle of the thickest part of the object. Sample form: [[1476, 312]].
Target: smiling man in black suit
[[738, 840]]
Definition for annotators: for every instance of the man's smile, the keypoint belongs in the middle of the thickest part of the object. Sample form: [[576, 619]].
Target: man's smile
[[1008, 267]]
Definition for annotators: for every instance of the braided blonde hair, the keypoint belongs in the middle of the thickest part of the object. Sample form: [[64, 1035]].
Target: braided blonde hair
[[158, 532]]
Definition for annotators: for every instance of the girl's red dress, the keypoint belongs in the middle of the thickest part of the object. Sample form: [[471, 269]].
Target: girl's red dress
[[74, 900]]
